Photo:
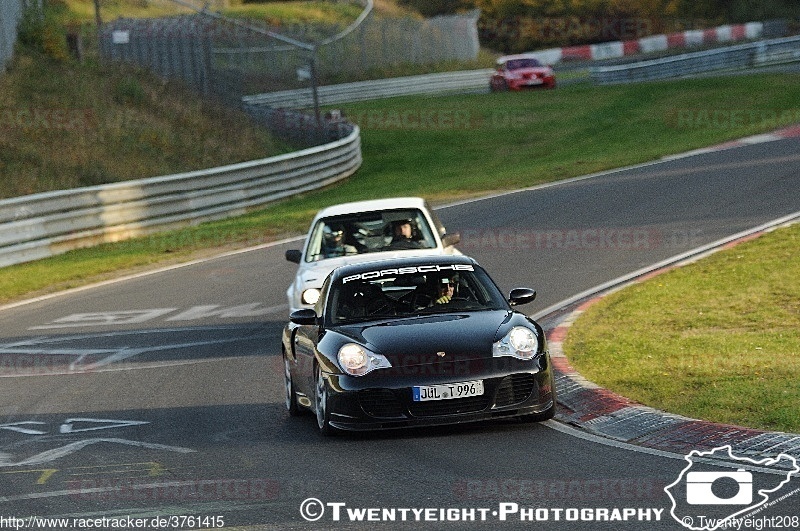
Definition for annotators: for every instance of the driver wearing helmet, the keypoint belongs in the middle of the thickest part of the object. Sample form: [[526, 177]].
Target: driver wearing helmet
[[403, 236], [445, 290], [333, 242]]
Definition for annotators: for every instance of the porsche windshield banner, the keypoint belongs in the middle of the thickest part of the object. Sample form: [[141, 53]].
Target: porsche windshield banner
[[393, 272]]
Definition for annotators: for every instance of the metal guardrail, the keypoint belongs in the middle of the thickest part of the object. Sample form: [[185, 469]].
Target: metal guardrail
[[731, 57], [426, 84], [42, 225]]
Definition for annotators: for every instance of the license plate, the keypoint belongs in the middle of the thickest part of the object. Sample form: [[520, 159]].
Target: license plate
[[424, 393], [536, 81]]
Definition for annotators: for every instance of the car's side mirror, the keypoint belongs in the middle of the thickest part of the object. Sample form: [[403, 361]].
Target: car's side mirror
[[520, 296], [451, 239], [293, 255], [303, 316]]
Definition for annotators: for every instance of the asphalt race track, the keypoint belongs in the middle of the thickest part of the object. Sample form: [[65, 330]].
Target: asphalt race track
[[162, 395]]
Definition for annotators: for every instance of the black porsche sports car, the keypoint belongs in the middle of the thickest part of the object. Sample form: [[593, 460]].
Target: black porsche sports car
[[415, 342]]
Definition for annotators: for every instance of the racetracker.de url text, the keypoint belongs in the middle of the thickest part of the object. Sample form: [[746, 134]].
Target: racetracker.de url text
[[122, 522]]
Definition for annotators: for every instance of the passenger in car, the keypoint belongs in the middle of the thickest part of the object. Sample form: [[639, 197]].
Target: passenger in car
[[333, 242]]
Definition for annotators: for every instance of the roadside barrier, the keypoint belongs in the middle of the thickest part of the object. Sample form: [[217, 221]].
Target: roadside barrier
[[762, 53], [440, 83], [660, 43], [42, 225]]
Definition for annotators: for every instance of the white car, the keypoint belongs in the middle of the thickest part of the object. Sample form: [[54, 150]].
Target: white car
[[364, 231]]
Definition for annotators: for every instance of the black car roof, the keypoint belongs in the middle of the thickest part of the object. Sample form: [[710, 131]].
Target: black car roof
[[361, 267]]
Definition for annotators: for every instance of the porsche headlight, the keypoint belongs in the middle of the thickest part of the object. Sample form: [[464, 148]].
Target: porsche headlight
[[520, 342], [358, 361], [310, 296]]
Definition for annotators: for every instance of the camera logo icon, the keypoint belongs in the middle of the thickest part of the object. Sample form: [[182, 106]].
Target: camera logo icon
[[715, 487], [711, 488]]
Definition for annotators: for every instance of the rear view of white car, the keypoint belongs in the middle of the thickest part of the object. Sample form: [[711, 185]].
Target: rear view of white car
[[364, 231]]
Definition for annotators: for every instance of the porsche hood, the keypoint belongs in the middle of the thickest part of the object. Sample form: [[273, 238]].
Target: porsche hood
[[420, 339]]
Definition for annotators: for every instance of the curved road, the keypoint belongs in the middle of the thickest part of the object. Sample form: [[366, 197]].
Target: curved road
[[162, 394]]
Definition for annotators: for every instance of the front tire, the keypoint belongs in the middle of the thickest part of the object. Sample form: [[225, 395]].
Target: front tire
[[499, 85], [321, 403]]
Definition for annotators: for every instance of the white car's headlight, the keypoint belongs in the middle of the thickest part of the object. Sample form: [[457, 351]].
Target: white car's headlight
[[520, 342], [358, 361], [310, 296]]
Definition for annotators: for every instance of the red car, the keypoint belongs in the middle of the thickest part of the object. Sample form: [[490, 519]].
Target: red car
[[517, 72]]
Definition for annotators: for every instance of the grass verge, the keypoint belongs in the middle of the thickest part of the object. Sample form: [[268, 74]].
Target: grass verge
[[458, 146], [64, 125], [723, 345], [277, 13]]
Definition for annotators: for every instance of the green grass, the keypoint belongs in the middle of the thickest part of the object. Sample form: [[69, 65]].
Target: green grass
[[723, 344], [83, 11], [289, 12], [65, 125], [467, 146], [279, 13]]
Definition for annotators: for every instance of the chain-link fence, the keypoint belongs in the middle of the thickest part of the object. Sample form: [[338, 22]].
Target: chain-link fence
[[10, 13], [232, 58]]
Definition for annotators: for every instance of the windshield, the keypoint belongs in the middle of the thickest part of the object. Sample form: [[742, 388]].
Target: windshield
[[412, 291], [369, 232], [514, 64]]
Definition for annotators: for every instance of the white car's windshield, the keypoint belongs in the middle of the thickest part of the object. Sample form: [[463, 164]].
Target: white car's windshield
[[391, 230]]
